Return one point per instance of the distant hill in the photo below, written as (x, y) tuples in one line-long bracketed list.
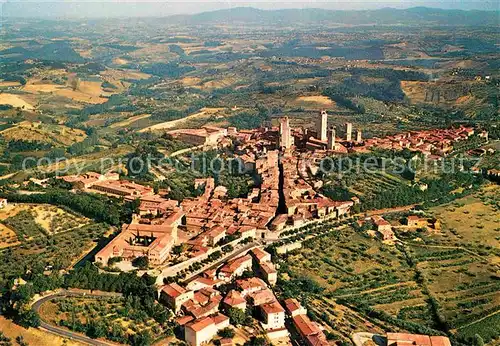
[(55, 51), (387, 16)]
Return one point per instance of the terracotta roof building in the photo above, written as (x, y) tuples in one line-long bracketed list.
[(201, 331), (294, 308), (235, 268), (399, 339), (151, 240), (250, 285), (235, 300), (174, 296), (274, 316), (309, 330)]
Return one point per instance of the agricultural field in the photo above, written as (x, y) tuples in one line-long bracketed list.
[(33, 336), (16, 101), (105, 158), (365, 184), (117, 319), (54, 252), (400, 283), (57, 135), (8, 237), (32, 221), (353, 266), (314, 101), (340, 320), (204, 113), (464, 284), (472, 220)]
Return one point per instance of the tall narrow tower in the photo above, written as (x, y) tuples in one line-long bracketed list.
[(331, 138), (321, 125), (348, 131), (285, 138), (358, 136)]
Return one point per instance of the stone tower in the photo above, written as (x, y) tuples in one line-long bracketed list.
[(348, 131), (321, 125), (331, 138), (284, 135)]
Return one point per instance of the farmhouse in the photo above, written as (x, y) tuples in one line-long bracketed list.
[(415, 221)]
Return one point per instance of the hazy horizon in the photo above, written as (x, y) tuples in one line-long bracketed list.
[(138, 8)]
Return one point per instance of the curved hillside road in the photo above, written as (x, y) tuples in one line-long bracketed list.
[(65, 333)]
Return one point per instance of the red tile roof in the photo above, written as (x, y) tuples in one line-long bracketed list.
[(251, 283), (305, 326), (292, 305), (272, 308), (234, 298), (440, 341), (173, 290), (200, 324)]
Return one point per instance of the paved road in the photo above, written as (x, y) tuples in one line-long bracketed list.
[(62, 332)]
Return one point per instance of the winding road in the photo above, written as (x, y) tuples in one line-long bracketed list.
[(65, 333)]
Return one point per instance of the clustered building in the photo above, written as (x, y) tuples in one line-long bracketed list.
[(436, 142), (109, 184), (384, 229), (433, 143), (200, 305), (207, 136), (144, 238), (285, 196)]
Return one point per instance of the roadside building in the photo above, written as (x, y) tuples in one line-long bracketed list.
[(294, 308), (235, 268), (397, 339), (173, 296), (201, 331), (273, 315), (309, 331)]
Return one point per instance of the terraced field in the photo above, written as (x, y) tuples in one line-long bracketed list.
[(423, 286), (358, 269), (337, 263), (465, 285), (341, 320), (367, 184)]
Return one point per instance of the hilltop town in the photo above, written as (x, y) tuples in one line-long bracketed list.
[(248, 177), (206, 253)]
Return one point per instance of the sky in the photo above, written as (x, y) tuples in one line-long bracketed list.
[(134, 8)]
